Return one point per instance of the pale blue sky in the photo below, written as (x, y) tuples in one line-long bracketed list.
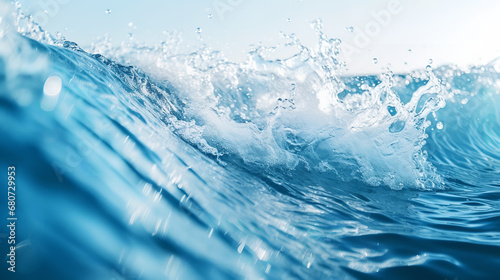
[(447, 31)]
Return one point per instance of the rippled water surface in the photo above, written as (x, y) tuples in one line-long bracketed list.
[(143, 162)]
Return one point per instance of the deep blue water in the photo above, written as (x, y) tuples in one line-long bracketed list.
[(143, 163)]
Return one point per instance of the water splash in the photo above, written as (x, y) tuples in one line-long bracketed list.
[(202, 166), (247, 112)]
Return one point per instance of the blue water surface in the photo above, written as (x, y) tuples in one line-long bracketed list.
[(141, 163)]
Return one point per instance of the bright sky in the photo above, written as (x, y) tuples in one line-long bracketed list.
[(446, 31)]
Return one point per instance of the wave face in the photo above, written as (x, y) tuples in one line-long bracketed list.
[(147, 163)]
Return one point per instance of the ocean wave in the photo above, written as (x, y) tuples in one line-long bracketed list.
[(268, 168)]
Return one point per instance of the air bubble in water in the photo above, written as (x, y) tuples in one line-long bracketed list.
[(439, 125), (52, 86)]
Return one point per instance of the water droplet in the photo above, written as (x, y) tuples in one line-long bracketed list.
[(392, 110), (397, 126), (198, 30), (350, 29), (52, 85), (375, 60), (317, 25), (130, 24), (289, 20), (409, 50), (428, 68), (430, 61), (439, 125), (464, 101), (108, 11), (51, 90), (210, 16)]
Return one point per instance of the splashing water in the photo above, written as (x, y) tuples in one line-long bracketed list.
[(189, 166), (248, 113)]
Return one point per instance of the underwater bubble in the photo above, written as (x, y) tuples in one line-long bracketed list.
[(464, 101), (439, 125), (51, 89), (108, 11), (52, 86)]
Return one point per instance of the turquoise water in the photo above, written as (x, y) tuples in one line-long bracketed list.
[(143, 162)]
